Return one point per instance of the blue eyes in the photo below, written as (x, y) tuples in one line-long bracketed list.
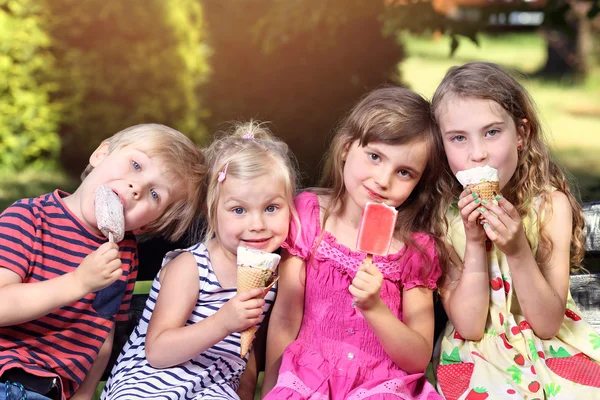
[(138, 168), (241, 210), (462, 138)]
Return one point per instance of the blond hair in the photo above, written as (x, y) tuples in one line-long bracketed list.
[(394, 116), (183, 165), (249, 150), (537, 173)]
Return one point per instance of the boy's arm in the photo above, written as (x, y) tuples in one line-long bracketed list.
[(25, 302), (87, 389)]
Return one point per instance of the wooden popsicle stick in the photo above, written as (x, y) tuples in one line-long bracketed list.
[(111, 237)]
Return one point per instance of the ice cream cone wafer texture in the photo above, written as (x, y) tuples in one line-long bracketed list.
[(255, 270), (109, 214), (481, 180)]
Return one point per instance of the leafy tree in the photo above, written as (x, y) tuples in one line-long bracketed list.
[(125, 62), (28, 119)]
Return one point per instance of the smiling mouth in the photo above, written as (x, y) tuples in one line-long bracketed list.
[(258, 241), (374, 195)]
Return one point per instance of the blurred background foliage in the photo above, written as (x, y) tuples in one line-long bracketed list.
[(73, 72)]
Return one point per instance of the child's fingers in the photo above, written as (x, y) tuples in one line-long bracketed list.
[(361, 280), (475, 215), (462, 203), (253, 304), (107, 247), (116, 274), (249, 294), (490, 232), (369, 269), (464, 193), (508, 207)]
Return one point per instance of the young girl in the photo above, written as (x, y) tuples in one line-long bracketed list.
[(351, 329), (187, 344), (514, 330)]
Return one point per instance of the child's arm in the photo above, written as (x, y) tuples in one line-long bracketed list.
[(169, 340), (90, 383), (541, 290), (248, 379), (410, 343), (25, 302), (465, 292), (286, 315), (256, 362)]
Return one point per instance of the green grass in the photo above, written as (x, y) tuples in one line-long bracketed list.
[(570, 113)]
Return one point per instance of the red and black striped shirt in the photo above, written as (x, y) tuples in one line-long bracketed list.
[(41, 239)]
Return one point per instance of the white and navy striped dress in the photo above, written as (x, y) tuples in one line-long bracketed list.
[(213, 374)]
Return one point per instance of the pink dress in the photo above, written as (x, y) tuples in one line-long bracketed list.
[(336, 354)]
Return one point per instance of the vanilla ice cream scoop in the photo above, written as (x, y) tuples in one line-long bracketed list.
[(477, 175), (109, 214), (481, 180)]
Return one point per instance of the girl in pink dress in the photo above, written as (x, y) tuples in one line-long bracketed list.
[(342, 328)]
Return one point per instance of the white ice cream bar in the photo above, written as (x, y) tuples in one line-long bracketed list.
[(109, 214), (477, 175), (255, 258)]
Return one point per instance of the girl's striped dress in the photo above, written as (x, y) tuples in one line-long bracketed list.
[(213, 374)]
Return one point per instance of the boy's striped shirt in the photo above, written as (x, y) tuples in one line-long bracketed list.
[(40, 239)]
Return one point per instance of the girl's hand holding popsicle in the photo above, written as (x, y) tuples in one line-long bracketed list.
[(366, 286)]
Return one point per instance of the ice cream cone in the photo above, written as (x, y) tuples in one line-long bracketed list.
[(250, 278), (486, 190)]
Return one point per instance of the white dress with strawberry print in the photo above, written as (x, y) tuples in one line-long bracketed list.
[(510, 362)]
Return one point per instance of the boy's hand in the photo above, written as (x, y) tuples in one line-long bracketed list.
[(100, 268), (242, 311), (469, 205), (366, 286)]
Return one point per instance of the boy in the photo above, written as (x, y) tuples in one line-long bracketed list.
[(62, 285)]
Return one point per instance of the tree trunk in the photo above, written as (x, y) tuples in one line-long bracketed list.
[(568, 40)]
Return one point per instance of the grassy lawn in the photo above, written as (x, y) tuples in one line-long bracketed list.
[(570, 113)]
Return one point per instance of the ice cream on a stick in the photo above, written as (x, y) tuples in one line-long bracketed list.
[(109, 214), (376, 229), (481, 180), (255, 269)]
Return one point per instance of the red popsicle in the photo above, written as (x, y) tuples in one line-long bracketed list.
[(376, 229)]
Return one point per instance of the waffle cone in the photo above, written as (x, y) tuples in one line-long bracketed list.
[(251, 278), (486, 190)]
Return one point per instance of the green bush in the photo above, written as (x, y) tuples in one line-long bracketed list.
[(121, 63), (28, 119)]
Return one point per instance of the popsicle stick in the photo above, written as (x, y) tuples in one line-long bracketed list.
[(111, 238), (369, 258)]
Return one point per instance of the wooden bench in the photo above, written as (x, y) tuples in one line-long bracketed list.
[(585, 288)]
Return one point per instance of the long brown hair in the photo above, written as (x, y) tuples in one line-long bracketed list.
[(393, 116), (536, 171)]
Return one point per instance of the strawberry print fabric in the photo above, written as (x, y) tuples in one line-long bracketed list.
[(510, 362)]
